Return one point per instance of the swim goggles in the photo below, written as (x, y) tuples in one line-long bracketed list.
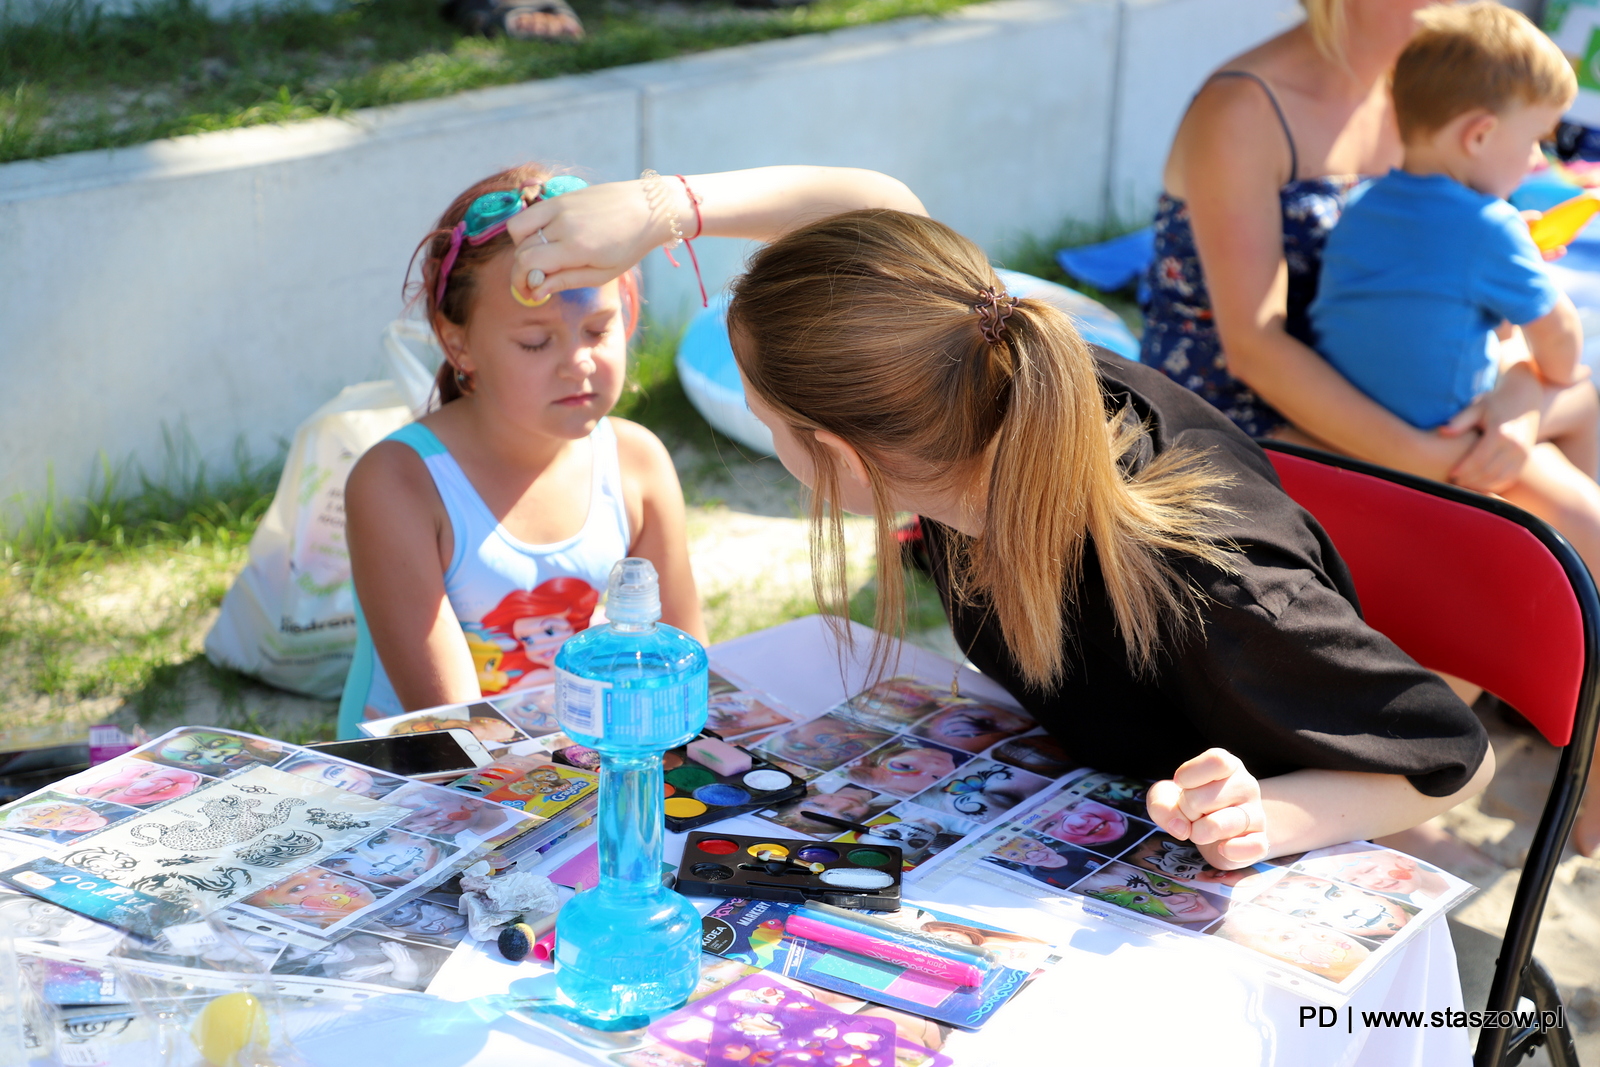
[(486, 219)]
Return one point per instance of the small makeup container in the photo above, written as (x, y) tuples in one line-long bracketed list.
[(773, 868)]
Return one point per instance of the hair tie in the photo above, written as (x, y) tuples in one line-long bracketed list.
[(994, 307)]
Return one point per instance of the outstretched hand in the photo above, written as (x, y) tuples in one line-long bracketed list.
[(1214, 802)]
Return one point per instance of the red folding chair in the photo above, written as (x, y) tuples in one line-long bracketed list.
[(1471, 586)]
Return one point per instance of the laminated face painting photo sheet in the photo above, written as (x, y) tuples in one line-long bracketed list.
[(279, 840), (497, 730), (905, 763), (1319, 923)]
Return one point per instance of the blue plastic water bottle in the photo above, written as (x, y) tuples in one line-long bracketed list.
[(628, 949)]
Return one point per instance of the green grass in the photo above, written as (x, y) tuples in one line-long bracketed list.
[(80, 79), (99, 599)]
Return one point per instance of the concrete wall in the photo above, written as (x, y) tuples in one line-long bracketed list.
[(227, 284)]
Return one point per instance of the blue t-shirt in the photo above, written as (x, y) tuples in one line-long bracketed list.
[(1415, 277)]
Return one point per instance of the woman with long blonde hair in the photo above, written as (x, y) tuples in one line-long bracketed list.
[(1108, 547)]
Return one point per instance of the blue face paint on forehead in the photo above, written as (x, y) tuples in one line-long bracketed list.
[(584, 298)]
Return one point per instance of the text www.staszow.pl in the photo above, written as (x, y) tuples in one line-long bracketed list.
[(1448, 1018)]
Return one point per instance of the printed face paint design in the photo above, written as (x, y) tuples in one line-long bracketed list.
[(139, 783), (1029, 852), (388, 858), (1151, 894), (904, 768), (1038, 753), (1124, 794), (824, 743), (213, 753), (972, 727), (316, 896), (485, 728), (339, 776), (1087, 823), (895, 703), (421, 918), (1340, 907), (1382, 871), (56, 818), (738, 713), (981, 791), (1311, 948), (439, 815), (1050, 862)]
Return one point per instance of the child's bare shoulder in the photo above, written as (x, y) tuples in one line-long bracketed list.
[(390, 472), (644, 459)]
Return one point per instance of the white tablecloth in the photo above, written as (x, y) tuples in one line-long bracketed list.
[(1114, 998)]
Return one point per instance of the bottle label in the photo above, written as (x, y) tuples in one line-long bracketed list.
[(581, 704)]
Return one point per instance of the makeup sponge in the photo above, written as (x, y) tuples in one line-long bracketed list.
[(719, 756)]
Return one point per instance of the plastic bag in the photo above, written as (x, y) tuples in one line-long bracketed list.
[(290, 617)]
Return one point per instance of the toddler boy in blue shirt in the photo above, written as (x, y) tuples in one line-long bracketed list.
[(1429, 262)]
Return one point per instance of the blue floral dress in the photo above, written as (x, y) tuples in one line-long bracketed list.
[(1180, 335)]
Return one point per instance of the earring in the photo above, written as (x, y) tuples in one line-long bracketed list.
[(463, 380)]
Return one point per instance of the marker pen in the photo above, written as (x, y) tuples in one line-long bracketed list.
[(872, 924), (878, 947)]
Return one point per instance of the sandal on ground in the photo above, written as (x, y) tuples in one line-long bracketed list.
[(521, 20)]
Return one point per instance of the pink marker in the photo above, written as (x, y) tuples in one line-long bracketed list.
[(545, 947), (863, 944)]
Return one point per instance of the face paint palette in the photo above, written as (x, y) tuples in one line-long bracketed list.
[(698, 795), (847, 876)]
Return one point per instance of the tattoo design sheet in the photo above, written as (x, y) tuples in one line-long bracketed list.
[(278, 840), (1321, 922)]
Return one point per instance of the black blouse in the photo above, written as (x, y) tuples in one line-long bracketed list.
[(1283, 673)]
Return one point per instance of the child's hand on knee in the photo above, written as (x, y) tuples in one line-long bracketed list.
[(1214, 802)]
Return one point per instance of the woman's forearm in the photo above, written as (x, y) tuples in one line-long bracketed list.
[(766, 202), (1314, 808), (1315, 397)]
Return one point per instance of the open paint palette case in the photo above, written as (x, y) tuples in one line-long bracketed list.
[(764, 868), (698, 794)]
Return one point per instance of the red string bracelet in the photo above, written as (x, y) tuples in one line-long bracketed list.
[(699, 227)]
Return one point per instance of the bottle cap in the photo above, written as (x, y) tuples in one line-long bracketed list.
[(634, 593)]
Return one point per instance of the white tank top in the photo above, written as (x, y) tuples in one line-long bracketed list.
[(516, 602)]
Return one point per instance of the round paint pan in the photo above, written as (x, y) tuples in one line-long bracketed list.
[(817, 854), (683, 807), (718, 846), (766, 780), (868, 857), (711, 872), (720, 795)]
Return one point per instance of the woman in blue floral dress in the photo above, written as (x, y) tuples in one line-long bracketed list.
[(1259, 172)]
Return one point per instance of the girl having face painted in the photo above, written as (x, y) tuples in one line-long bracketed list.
[(481, 535)]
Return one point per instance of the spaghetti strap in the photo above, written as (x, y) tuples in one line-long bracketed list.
[(1294, 155)]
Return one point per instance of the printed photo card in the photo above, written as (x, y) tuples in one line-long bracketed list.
[(273, 838), (905, 763), (1320, 921)]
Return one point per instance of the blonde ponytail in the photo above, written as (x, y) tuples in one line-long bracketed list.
[(863, 325)]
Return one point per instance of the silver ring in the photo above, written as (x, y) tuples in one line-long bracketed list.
[(535, 278), (542, 238)]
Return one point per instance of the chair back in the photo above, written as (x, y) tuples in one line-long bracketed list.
[(1457, 580)]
